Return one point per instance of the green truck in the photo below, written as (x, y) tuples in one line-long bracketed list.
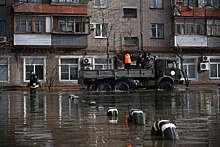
[(163, 73)]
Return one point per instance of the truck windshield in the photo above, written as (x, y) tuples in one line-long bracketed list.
[(171, 64)]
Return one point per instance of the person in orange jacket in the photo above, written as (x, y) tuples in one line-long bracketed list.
[(127, 61)]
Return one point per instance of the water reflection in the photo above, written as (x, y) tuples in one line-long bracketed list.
[(54, 119)]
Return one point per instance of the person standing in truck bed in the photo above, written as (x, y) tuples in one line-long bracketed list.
[(127, 61)]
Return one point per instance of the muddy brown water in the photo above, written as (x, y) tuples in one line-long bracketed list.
[(52, 119)]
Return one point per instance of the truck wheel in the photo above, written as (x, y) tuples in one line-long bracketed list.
[(104, 87), (122, 86), (166, 85)]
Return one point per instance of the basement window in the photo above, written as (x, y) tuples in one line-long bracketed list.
[(131, 41)]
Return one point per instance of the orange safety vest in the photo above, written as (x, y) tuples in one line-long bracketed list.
[(127, 58)]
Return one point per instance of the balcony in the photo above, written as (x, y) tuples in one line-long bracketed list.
[(37, 8)]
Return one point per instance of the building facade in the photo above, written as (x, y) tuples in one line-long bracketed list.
[(48, 38), (58, 38), (197, 38)]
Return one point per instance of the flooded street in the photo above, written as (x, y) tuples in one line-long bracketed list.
[(50, 119)]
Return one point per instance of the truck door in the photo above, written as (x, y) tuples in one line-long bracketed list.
[(160, 66)]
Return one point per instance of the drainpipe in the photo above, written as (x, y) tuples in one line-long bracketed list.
[(141, 25)]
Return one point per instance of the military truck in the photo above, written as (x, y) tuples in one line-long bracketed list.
[(163, 74)]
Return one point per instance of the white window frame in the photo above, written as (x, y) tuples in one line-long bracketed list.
[(217, 63), (103, 4), (187, 64), (78, 66), (157, 29), (101, 32), (8, 65), (104, 65), (44, 67), (156, 4)]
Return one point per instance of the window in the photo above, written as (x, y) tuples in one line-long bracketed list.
[(2, 28), (213, 3), (101, 63), (190, 68), (2, 2), (4, 69), (214, 72), (31, 1), (36, 65), (69, 69), (130, 12), (28, 24), (100, 3), (213, 27), (156, 3), (190, 26), (192, 3), (71, 24), (101, 30), (157, 30), (131, 41)]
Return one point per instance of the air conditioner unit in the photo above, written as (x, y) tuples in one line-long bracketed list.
[(92, 26), (205, 59), (204, 66), (87, 61), (3, 39)]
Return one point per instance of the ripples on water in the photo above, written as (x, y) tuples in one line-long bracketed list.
[(53, 119)]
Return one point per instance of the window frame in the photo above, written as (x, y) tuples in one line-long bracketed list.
[(188, 64), (218, 66), (131, 38), (104, 65), (31, 1), (157, 37), (3, 22), (101, 36), (69, 68), (26, 21), (156, 4), (3, 3), (102, 5), (8, 69), (127, 15), (44, 67), (194, 25), (77, 22)]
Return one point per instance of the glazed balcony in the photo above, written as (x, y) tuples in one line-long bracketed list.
[(196, 8)]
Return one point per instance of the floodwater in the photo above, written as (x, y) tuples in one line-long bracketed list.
[(52, 119)]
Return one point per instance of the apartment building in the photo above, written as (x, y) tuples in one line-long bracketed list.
[(49, 37), (197, 38), (128, 25)]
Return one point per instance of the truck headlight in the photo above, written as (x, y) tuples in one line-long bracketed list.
[(172, 73)]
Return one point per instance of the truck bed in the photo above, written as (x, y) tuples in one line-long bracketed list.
[(118, 73)]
